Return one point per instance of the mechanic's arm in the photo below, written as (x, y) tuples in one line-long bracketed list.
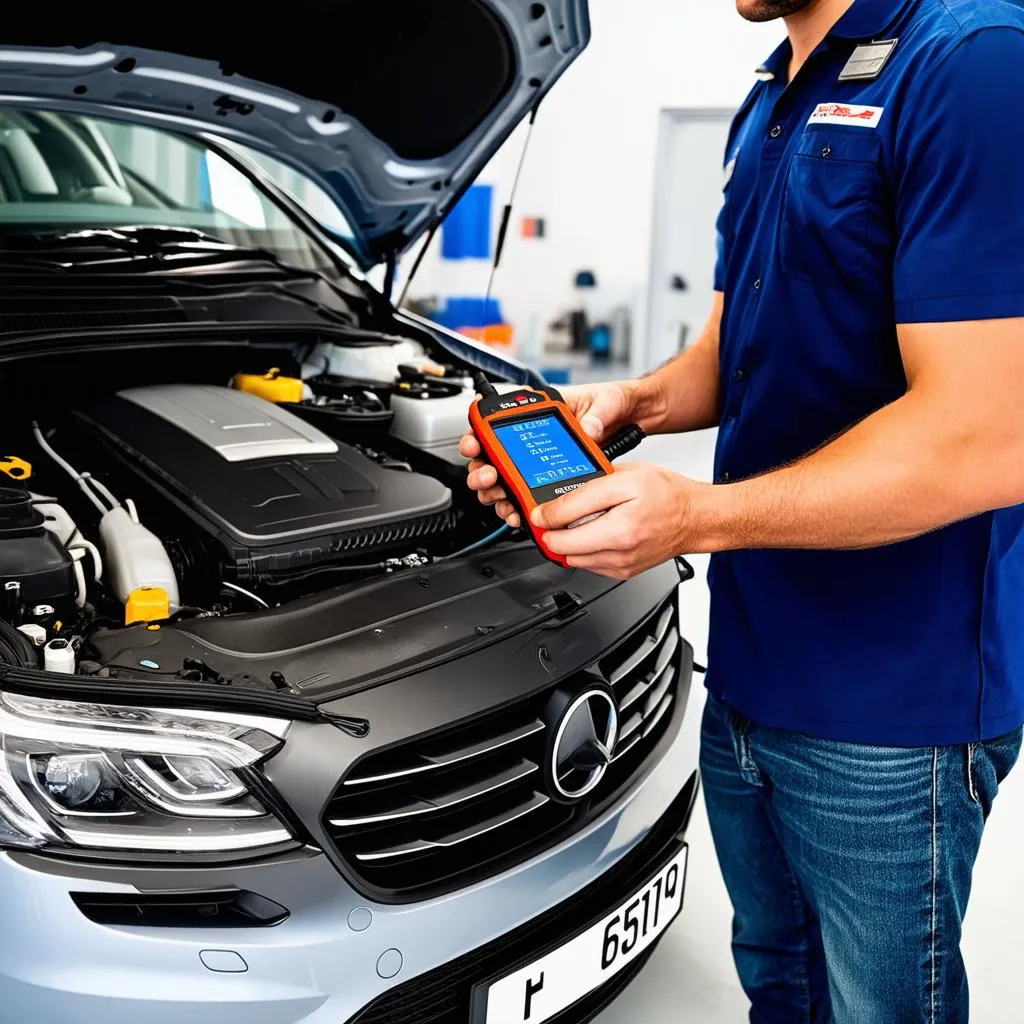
[(951, 448), (685, 393)]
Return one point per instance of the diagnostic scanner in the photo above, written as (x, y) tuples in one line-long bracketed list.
[(538, 448)]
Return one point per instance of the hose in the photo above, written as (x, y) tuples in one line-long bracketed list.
[(479, 545), (84, 481), (77, 554), (245, 593), (15, 648)]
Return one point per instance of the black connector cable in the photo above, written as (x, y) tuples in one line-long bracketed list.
[(484, 388), (625, 441)]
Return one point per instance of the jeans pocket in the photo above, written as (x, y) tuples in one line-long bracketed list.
[(988, 764), (972, 789)]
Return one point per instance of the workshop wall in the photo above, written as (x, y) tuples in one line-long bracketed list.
[(591, 167)]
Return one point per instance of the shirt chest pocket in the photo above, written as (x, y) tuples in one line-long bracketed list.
[(832, 228)]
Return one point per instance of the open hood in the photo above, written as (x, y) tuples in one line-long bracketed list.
[(392, 106)]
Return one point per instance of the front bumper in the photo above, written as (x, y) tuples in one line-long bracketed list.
[(57, 967), (340, 955)]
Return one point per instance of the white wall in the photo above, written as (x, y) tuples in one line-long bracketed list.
[(591, 167)]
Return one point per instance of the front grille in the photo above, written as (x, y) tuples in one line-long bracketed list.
[(440, 812), (443, 996)]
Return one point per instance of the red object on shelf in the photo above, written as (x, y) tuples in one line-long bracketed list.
[(533, 227), (499, 335)]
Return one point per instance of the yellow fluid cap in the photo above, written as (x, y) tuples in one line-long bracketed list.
[(15, 468), (146, 604), (270, 386)]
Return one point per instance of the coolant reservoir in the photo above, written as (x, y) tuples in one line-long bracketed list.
[(436, 425), (136, 558), (271, 386)]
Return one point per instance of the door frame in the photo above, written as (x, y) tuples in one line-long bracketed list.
[(668, 118)]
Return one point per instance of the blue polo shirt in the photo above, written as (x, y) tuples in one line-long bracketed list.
[(852, 207)]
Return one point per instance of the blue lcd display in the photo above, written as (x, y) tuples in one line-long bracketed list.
[(544, 451)]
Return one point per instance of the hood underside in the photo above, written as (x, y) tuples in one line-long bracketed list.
[(392, 106)]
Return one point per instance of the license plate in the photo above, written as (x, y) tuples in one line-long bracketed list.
[(552, 983)]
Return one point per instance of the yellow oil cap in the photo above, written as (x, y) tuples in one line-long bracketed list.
[(15, 468), (146, 604), (270, 386)]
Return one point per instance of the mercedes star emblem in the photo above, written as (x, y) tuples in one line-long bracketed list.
[(583, 730)]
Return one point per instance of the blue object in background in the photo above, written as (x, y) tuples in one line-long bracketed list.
[(600, 341), (470, 312), (466, 234), (560, 376)]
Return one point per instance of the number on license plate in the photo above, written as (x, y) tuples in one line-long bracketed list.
[(566, 975)]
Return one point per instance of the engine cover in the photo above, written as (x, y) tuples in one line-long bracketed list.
[(275, 493)]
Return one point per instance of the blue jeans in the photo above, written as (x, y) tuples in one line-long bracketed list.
[(849, 869)]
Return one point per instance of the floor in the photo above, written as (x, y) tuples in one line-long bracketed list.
[(691, 979)]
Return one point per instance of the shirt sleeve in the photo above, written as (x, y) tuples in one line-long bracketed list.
[(721, 228), (959, 179)]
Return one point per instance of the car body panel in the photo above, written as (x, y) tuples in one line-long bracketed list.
[(313, 968)]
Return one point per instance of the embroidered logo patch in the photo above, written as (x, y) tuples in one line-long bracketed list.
[(842, 113)]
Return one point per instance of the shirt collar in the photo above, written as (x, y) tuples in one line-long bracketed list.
[(868, 19), (777, 64)]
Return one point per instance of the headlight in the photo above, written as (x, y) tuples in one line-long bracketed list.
[(104, 777)]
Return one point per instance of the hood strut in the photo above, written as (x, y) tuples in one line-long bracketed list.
[(390, 268)]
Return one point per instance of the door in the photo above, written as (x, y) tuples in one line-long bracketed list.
[(688, 197)]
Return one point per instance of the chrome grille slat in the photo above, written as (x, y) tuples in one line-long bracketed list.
[(630, 726), (650, 644), (659, 689), (624, 748), (665, 655), (444, 801), (433, 762), (537, 801), (659, 714)]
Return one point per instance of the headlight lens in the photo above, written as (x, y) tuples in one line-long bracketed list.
[(106, 777)]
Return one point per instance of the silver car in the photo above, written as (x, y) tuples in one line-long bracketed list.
[(289, 730)]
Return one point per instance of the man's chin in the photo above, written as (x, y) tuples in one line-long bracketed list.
[(770, 10)]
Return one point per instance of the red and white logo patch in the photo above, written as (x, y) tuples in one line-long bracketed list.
[(844, 113)]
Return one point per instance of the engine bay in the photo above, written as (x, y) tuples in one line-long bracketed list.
[(272, 497), (146, 505)]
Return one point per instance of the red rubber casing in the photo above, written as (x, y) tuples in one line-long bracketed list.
[(491, 412)]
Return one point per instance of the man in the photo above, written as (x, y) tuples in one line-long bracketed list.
[(865, 366)]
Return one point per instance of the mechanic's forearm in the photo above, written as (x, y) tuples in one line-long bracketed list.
[(684, 394), (910, 468)]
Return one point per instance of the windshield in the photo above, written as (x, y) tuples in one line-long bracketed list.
[(63, 173)]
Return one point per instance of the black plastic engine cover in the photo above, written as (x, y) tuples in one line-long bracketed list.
[(211, 452)]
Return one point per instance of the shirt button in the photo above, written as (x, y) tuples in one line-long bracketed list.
[(776, 131), (739, 376), (757, 285)]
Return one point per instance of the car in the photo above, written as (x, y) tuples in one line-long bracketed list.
[(290, 729)]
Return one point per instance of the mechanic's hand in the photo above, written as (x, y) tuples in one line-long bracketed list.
[(602, 409), (650, 517)]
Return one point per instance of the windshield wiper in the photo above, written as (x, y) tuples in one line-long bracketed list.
[(164, 245), (171, 255)]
